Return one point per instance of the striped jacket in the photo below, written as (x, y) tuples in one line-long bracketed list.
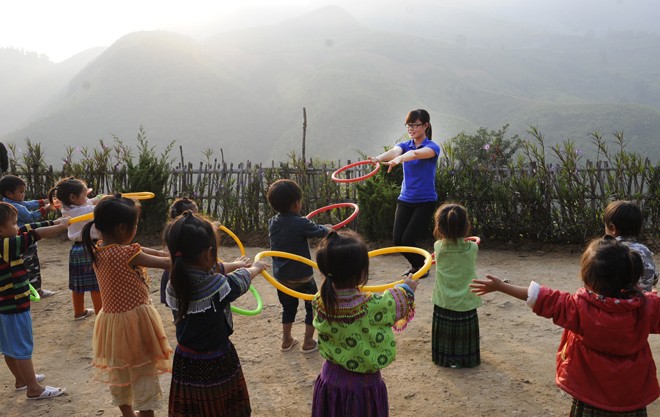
[(14, 288)]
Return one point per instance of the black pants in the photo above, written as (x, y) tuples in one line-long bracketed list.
[(290, 304), (412, 222)]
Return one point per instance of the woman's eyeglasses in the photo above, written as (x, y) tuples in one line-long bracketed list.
[(413, 126)]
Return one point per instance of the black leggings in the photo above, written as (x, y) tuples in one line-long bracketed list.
[(412, 222)]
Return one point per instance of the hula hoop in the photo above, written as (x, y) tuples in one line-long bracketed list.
[(34, 294), (274, 282), (260, 305), (373, 288), (341, 224), (335, 174), (233, 236), (397, 249), (475, 239), (145, 195)]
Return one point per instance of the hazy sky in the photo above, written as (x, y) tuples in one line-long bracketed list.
[(60, 29)]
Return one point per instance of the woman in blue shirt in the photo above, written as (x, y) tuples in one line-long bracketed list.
[(418, 198)]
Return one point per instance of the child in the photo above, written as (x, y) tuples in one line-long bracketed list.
[(455, 331), (72, 193), (288, 232), (207, 379), (177, 208), (623, 220), (604, 360), (130, 345), (355, 330), (16, 342), (12, 189)]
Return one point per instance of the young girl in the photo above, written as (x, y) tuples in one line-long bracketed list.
[(207, 379), (72, 194), (177, 208), (604, 360), (129, 343), (455, 331), (355, 330)]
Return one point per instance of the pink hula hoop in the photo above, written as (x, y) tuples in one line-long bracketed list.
[(343, 223), (353, 165)]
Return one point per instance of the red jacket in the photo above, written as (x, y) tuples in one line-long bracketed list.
[(604, 358)]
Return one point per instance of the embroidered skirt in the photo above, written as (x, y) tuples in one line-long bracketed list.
[(580, 409), (339, 392), (455, 338), (207, 384), (81, 272)]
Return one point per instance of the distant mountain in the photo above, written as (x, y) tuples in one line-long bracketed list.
[(243, 91)]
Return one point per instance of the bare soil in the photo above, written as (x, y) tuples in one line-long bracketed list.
[(516, 376)]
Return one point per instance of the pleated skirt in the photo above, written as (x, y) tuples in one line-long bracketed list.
[(339, 392), (208, 384), (455, 338), (580, 409), (81, 272)]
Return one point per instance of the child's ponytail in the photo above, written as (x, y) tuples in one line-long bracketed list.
[(328, 294), (88, 243)]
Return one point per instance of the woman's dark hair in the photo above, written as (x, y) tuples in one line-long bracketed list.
[(7, 213), (64, 188), (625, 216), (109, 214), (611, 269), (424, 117), (451, 222), (282, 194), (9, 184), (180, 205), (343, 259), (187, 237)]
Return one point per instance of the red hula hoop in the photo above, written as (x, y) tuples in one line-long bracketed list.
[(475, 239), (341, 224), (353, 165)]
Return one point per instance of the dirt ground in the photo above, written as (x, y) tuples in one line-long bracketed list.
[(516, 376)]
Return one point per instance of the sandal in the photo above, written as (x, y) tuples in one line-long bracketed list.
[(49, 392), (293, 343), (314, 349), (88, 312), (39, 378)]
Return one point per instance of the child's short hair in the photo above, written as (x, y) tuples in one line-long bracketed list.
[(7, 213), (625, 216), (180, 205), (64, 188), (610, 268), (9, 184), (282, 194), (451, 222)]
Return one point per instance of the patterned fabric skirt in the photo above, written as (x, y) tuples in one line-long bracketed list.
[(339, 392), (580, 409), (207, 384), (455, 338), (81, 273)]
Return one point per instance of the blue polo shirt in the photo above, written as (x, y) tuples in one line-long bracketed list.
[(419, 175)]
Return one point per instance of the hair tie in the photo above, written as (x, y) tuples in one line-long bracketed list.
[(178, 254)]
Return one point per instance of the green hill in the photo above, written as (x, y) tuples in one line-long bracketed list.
[(244, 91)]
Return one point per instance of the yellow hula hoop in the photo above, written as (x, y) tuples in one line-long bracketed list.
[(144, 195), (253, 290), (428, 259), (233, 236), (372, 288), (274, 282)]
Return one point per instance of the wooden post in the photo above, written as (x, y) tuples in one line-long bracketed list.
[(304, 133)]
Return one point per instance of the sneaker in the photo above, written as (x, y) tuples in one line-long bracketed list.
[(46, 293)]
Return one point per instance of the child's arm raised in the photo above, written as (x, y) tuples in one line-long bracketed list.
[(493, 283), (156, 252), (59, 226), (151, 261), (240, 262)]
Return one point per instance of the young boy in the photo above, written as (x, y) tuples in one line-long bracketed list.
[(623, 220), (16, 342), (288, 232), (12, 190)]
